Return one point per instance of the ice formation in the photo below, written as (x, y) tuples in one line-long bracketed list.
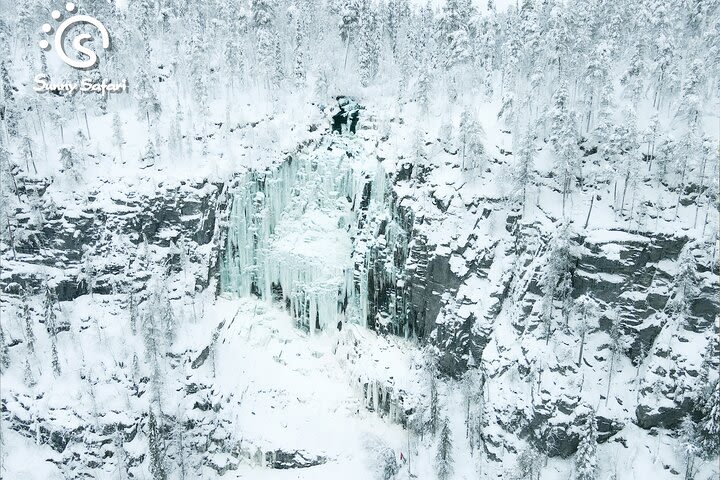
[(290, 236)]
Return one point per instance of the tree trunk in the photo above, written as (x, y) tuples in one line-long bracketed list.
[(700, 190), (87, 125), (587, 219)]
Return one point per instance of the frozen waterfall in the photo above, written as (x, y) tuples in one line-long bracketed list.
[(291, 233)]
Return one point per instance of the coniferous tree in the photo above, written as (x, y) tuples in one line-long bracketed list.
[(555, 281), (299, 66), (147, 102), (616, 345), (443, 458), (149, 154), (156, 448), (369, 44), (587, 312), (4, 352), (563, 141), (524, 177), (263, 18), (471, 147), (586, 456), (52, 328), (709, 431), (27, 316), (686, 284), (118, 138), (689, 446), (70, 161), (529, 464)]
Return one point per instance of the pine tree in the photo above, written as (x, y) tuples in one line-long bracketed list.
[(529, 463), (434, 412), (523, 175), (133, 312), (555, 281), (563, 140), (155, 448), (118, 138), (586, 456), (423, 88), (8, 101), (686, 284), (689, 446), (709, 431), (28, 377), (4, 352), (616, 345), (443, 458), (149, 154), (691, 100), (147, 101), (455, 31), (263, 18), (349, 12), (299, 67), (587, 312), (369, 44), (27, 316), (70, 161), (471, 147), (52, 328)]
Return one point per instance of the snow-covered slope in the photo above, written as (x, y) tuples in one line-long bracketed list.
[(509, 271)]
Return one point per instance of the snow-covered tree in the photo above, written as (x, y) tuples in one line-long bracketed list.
[(156, 448), (563, 140), (529, 464), (444, 464), (149, 154), (369, 44), (523, 175), (4, 352), (586, 313), (586, 456), (617, 344), (118, 138), (51, 326), (472, 150), (263, 18), (147, 101), (709, 431), (685, 283), (71, 161), (689, 448), (556, 274), (28, 318)]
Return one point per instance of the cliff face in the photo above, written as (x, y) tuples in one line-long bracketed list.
[(349, 240)]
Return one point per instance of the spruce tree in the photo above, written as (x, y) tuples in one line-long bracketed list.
[(443, 458), (523, 175), (147, 102), (27, 316), (369, 44), (563, 141), (587, 312), (709, 431), (118, 139), (686, 284), (586, 456), (4, 352), (155, 448), (472, 149)]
